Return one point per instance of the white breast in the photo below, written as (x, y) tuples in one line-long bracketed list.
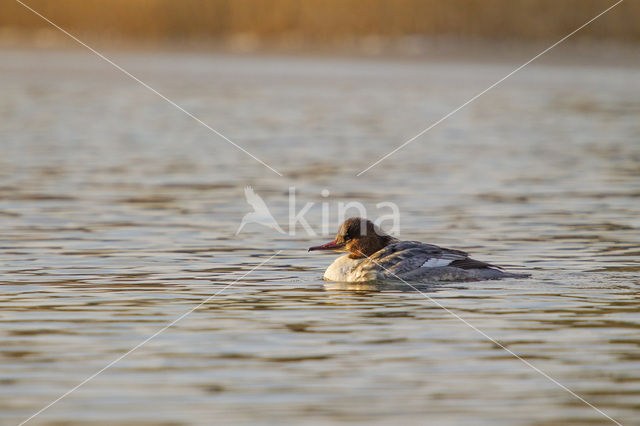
[(343, 269), (434, 262)]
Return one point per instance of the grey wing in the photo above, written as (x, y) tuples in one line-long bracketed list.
[(406, 256)]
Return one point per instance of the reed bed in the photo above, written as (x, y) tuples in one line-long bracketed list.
[(321, 21)]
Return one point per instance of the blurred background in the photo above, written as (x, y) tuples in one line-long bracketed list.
[(368, 25)]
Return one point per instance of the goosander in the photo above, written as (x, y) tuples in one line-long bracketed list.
[(374, 255)]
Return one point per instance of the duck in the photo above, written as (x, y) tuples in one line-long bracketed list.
[(374, 255)]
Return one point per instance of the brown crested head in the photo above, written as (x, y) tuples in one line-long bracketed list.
[(358, 236)]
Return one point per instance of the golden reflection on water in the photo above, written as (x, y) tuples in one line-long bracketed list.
[(118, 215)]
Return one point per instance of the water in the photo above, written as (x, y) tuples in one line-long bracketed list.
[(119, 214)]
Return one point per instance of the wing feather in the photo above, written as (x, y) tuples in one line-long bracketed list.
[(406, 256)]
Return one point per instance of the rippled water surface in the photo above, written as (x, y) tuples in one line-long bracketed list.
[(119, 214)]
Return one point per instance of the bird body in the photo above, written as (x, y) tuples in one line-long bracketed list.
[(373, 255)]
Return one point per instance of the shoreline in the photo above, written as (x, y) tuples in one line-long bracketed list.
[(439, 49)]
